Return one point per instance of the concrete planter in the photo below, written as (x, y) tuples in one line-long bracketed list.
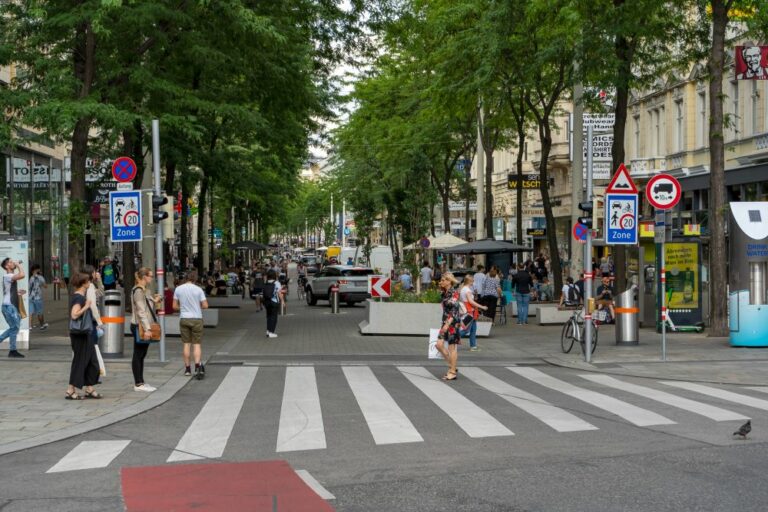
[(407, 318)]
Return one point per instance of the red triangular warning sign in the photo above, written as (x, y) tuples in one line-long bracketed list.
[(621, 183)]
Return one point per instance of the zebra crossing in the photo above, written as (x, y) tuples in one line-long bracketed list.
[(510, 392)]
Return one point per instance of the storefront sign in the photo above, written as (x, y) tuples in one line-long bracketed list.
[(460, 206), (692, 229), (530, 181), (536, 232), (646, 229)]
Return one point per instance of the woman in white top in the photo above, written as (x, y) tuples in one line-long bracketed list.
[(467, 297)]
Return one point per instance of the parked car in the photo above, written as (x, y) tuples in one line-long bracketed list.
[(352, 281)]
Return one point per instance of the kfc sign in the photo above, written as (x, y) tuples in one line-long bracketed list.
[(751, 62)]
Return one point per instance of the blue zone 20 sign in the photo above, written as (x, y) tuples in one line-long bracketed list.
[(125, 216), (621, 219)]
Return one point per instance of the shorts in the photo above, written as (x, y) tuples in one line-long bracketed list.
[(35, 306), (191, 330)]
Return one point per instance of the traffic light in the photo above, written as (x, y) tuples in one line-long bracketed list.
[(587, 207), (170, 216), (158, 213)]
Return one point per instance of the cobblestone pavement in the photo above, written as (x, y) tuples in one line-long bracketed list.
[(33, 410)]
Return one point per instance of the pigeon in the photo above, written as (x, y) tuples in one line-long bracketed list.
[(744, 429)]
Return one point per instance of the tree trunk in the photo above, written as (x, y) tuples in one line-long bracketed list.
[(546, 146), (624, 51), (201, 234), (488, 190), (717, 211), (519, 188)]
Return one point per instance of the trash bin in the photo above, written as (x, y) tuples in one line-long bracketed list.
[(111, 344), (627, 321)]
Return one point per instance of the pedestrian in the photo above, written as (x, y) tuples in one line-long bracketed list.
[(425, 276), (95, 293), (471, 311), (143, 311), (405, 280), (189, 299), (109, 273), (523, 282), (36, 286), (570, 296), (273, 300), (257, 286), (13, 274), (491, 292), (451, 321), (479, 277), (84, 369)]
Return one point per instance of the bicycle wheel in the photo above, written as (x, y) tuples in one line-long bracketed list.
[(594, 339), (566, 337)]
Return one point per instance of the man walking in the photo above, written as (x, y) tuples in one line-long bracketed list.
[(425, 276), (36, 285), (13, 274), (189, 299)]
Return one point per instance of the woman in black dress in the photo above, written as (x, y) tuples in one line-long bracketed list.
[(84, 371)]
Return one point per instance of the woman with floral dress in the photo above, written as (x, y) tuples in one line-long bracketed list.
[(449, 338)]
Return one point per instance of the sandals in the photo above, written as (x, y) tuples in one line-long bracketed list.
[(72, 396), (94, 395), (450, 376)]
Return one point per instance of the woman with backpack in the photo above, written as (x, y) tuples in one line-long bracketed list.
[(273, 300)]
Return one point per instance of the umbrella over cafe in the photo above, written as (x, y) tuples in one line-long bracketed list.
[(487, 246)]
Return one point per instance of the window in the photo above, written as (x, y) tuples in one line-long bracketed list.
[(754, 216), (750, 192), (525, 152), (679, 120), (637, 136), (662, 132), (703, 121)]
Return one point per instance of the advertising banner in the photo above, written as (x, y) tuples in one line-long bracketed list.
[(18, 250), (683, 265), (751, 62)]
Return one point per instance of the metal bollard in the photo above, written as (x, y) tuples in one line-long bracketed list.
[(334, 299), (111, 344)]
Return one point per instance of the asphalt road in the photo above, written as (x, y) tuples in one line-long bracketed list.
[(512, 460)]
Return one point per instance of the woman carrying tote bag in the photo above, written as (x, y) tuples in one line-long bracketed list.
[(142, 319), (84, 371)]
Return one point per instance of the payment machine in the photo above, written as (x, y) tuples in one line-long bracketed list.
[(748, 275)]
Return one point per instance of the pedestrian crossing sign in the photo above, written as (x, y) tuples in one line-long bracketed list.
[(125, 216)]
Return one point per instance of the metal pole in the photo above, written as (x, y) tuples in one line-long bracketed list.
[(343, 223), (577, 167), (663, 305), (160, 267), (588, 260), (31, 218), (480, 178)]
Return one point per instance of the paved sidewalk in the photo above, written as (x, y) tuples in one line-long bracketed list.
[(33, 410)]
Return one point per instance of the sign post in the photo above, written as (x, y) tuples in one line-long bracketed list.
[(588, 259), (663, 192), (160, 271)]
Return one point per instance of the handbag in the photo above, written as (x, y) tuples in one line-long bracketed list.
[(432, 352), (82, 324), (154, 326), (22, 309)]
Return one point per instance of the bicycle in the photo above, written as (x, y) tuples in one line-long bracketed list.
[(573, 330)]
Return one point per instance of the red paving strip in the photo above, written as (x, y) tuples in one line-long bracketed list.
[(266, 486)]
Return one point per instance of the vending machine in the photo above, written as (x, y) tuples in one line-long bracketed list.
[(748, 274)]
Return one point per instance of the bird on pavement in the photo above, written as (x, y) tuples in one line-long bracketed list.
[(744, 429)]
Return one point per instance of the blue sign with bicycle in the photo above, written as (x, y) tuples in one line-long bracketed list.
[(621, 219), (125, 216)]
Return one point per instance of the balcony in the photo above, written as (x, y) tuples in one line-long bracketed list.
[(647, 167)]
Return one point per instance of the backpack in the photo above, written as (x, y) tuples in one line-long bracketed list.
[(572, 297), (268, 292), (108, 274)]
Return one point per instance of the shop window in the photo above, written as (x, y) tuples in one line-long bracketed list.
[(734, 193), (750, 192), (763, 191)]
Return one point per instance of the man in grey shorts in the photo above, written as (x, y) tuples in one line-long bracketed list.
[(189, 299)]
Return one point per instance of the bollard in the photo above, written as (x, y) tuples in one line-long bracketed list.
[(626, 318), (334, 299), (111, 344)]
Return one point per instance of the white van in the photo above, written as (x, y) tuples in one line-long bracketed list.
[(381, 260), (346, 253)]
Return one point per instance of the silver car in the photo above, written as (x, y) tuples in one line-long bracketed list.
[(352, 282)]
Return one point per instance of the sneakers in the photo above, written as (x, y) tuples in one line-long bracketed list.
[(187, 371), (16, 354), (145, 388), (44, 326), (272, 335), (200, 372), (474, 349)]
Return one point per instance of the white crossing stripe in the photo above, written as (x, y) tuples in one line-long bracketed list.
[(762, 389), (728, 396), (387, 422), (315, 485), (209, 432), (633, 414), (90, 455), (709, 411), (301, 420), (476, 422), (555, 417)]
